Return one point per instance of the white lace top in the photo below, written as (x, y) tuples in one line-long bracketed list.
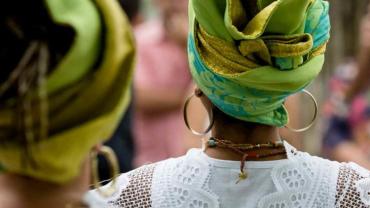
[(198, 181)]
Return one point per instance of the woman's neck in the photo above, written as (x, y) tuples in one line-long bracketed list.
[(21, 191), (242, 133)]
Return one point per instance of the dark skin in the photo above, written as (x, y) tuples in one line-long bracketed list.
[(239, 132), (18, 191)]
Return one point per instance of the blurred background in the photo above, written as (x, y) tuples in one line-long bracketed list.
[(162, 83)]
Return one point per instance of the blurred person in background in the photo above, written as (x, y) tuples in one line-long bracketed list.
[(347, 111), (122, 141), (66, 69), (347, 138), (162, 81), (362, 81)]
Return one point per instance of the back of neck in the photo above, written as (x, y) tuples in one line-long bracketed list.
[(239, 132), (242, 132), (20, 191)]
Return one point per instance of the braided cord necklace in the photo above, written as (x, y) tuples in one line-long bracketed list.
[(248, 151)]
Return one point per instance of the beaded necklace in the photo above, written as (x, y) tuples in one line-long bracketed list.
[(247, 151)]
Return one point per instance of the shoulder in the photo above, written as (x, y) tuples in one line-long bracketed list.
[(311, 181), (353, 186), (303, 181), (339, 184), (177, 182), (134, 188)]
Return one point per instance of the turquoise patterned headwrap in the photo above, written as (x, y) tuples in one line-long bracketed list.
[(249, 56)]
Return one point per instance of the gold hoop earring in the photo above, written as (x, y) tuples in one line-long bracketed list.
[(111, 158), (187, 121), (313, 119)]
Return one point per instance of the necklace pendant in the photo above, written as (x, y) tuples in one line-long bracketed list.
[(242, 176)]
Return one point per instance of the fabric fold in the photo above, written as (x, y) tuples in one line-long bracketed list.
[(273, 53), (81, 114)]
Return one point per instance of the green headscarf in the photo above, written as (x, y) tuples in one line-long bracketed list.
[(87, 92), (249, 56)]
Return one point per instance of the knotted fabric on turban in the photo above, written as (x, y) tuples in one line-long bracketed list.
[(249, 56), (87, 91)]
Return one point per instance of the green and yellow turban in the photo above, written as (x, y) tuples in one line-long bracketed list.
[(249, 56), (87, 93)]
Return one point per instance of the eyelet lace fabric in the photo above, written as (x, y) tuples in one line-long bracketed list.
[(353, 187), (317, 183), (137, 194), (180, 184), (303, 181)]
